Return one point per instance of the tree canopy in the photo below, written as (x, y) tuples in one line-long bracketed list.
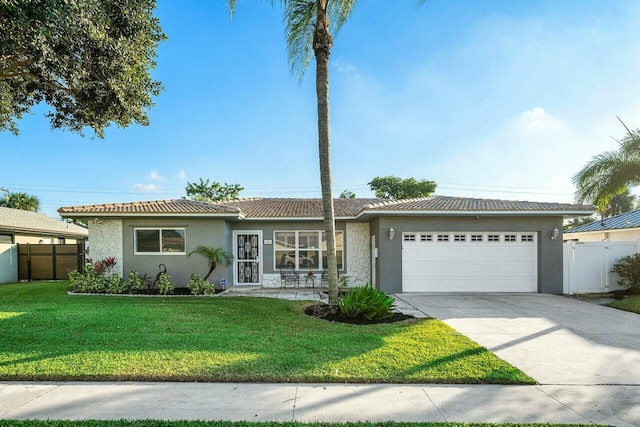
[(610, 173), (212, 191), (90, 61), (347, 194), (393, 187), (22, 201)]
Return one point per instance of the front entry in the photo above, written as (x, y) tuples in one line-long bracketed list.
[(247, 268)]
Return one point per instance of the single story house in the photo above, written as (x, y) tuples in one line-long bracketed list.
[(623, 227), (19, 226), (432, 244)]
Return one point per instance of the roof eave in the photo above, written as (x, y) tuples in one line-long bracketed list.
[(147, 215), (564, 213)]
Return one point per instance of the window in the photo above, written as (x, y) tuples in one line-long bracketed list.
[(304, 250), (443, 237), (426, 238), (61, 240), (493, 238), (153, 241), (459, 238), (6, 238), (526, 238), (476, 238), (409, 237), (510, 238)]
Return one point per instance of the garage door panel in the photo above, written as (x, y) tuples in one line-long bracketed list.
[(471, 266)]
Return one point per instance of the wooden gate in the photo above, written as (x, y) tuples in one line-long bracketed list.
[(49, 262)]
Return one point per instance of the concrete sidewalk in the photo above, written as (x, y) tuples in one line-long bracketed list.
[(612, 405)]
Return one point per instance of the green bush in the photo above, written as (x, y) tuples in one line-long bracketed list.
[(628, 268), (367, 302), (116, 284), (199, 286), (89, 280), (165, 287)]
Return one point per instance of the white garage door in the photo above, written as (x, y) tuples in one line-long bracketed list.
[(469, 262)]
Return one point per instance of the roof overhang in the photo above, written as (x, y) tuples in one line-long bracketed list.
[(24, 230), (373, 213)]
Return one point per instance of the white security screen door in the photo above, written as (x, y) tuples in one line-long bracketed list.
[(247, 258)]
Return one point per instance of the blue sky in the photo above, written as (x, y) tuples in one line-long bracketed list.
[(496, 99)]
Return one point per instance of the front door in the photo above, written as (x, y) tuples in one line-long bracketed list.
[(248, 254)]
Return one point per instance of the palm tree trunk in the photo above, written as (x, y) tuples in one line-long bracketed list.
[(322, 42)]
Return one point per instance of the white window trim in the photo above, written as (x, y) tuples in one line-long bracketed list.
[(297, 249), (135, 241)]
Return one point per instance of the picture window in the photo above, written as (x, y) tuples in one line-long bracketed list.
[(154, 241)]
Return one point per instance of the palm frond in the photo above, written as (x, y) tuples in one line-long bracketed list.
[(339, 11), (300, 18), (606, 175)]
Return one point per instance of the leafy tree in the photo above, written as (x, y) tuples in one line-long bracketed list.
[(393, 187), (22, 201), (347, 194), (610, 173), (88, 60), (620, 203), (578, 221), (214, 256), (207, 191)]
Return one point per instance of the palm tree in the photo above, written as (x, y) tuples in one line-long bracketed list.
[(22, 201), (215, 256), (611, 173), (308, 29)]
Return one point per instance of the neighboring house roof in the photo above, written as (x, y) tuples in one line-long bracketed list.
[(618, 222), (19, 221), (281, 208)]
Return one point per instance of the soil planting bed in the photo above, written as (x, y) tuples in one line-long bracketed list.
[(332, 314)]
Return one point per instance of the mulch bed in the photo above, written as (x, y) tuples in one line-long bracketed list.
[(331, 313)]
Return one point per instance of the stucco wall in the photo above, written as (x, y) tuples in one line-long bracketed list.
[(198, 231), (358, 253), (8, 263), (389, 269), (105, 240)]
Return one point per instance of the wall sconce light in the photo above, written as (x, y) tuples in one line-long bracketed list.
[(555, 233), (392, 233)]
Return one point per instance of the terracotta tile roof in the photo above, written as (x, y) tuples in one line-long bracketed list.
[(297, 208), (463, 204), (15, 220), (312, 208), (177, 206)]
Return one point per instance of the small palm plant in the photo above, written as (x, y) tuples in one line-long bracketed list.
[(215, 256)]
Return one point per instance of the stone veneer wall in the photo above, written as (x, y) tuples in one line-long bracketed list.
[(105, 240), (358, 253), (271, 281)]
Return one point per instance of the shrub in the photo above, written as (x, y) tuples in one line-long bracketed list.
[(116, 285), (88, 280), (628, 268), (165, 287), (199, 286), (138, 281), (367, 302)]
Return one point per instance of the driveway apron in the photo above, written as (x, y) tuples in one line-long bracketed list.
[(554, 339)]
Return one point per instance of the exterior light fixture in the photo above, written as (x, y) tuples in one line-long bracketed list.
[(392, 233), (555, 233)]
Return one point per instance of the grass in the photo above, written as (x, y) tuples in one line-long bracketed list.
[(157, 423), (46, 334), (630, 303)]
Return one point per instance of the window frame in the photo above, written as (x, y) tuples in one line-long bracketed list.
[(297, 249), (160, 230)]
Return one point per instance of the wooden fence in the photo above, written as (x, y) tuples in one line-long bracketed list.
[(49, 262)]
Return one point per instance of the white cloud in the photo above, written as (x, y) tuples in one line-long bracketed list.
[(182, 175), (148, 188), (156, 176)]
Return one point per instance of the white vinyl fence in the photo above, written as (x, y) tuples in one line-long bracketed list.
[(587, 266), (8, 263)]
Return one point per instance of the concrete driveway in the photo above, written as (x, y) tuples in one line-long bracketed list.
[(554, 339)]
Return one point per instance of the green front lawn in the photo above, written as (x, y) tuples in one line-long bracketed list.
[(630, 303), (46, 334), (158, 423)]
